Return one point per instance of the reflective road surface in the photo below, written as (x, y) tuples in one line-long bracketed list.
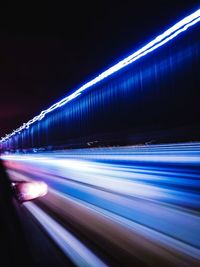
[(119, 206)]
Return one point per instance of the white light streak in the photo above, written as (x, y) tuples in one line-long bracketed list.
[(71, 246)]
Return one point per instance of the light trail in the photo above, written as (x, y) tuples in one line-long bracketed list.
[(157, 42), (73, 248), (136, 200)]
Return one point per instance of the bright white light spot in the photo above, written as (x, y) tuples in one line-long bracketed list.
[(31, 190)]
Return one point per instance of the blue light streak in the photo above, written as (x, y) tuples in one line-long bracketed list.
[(160, 40), (136, 197)]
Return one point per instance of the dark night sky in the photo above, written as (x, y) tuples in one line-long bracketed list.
[(48, 51)]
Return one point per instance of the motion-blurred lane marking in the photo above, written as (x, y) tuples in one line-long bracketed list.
[(73, 248)]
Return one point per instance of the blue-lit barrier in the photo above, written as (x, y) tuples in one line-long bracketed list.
[(154, 89)]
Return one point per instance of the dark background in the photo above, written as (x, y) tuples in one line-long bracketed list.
[(48, 51)]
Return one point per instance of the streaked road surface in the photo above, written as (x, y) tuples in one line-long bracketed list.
[(120, 206)]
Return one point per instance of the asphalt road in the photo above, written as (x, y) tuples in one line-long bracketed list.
[(122, 206)]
